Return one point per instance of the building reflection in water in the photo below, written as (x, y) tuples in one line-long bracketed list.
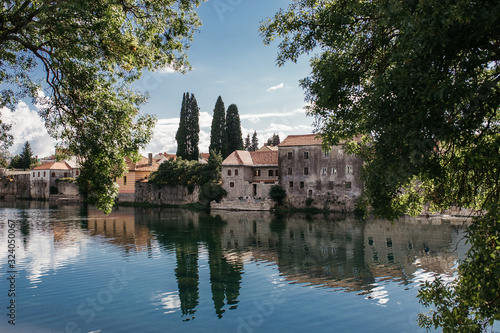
[(340, 253)]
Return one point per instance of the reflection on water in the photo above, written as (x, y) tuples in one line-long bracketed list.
[(329, 252)]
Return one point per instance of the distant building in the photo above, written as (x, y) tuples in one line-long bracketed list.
[(310, 175), (44, 176), (328, 178), (137, 172), (249, 174)]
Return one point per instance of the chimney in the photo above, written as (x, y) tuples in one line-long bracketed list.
[(150, 158)]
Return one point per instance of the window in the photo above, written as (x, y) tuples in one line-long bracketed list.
[(271, 173), (44, 173), (291, 184), (65, 174), (323, 172), (340, 153), (124, 180), (229, 172), (330, 185), (289, 171), (306, 155), (53, 174), (347, 185), (236, 172), (276, 173), (77, 172), (301, 184), (349, 169), (306, 171), (290, 155), (33, 174), (334, 171), (326, 153), (38, 173), (256, 173), (231, 184)]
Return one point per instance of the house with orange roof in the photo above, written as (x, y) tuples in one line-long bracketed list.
[(249, 175), (310, 175), (137, 172), (44, 176)]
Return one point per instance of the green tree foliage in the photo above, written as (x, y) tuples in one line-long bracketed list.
[(419, 82), (255, 142), (277, 193), (26, 160), (90, 53), (188, 134), (274, 140), (248, 143), (218, 135), (233, 129)]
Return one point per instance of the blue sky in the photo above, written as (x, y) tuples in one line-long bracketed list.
[(229, 59)]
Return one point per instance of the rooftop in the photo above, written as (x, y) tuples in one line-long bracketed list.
[(254, 158)]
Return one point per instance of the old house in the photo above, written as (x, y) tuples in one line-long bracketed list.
[(137, 172), (314, 176), (249, 175), (44, 176)]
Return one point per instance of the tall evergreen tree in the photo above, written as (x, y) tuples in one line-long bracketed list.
[(218, 136), (255, 142), (274, 140), (248, 143), (233, 129), (25, 159), (188, 133)]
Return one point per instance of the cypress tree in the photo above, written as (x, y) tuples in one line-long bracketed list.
[(218, 136), (248, 144), (187, 135), (233, 129), (255, 142)]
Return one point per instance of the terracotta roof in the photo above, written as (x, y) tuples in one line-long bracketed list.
[(53, 166), (264, 157), (268, 148), (243, 157), (301, 140), (141, 165)]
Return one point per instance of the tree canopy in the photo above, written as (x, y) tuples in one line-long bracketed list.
[(218, 135), (418, 81), (188, 133), (26, 159), (233, 129), (89, 53)]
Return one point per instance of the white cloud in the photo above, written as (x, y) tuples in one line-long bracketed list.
[(28, 126), (273, 88)]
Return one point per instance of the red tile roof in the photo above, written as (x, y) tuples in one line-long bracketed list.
[(53, 166), (301, 140), (254, 158)]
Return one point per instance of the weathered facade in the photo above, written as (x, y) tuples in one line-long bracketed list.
[(315, 177), (137, 172), (250, 175), (44, 177)]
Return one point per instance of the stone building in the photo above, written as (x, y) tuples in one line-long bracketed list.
[(316, 177), (249, 175), (44, 176)]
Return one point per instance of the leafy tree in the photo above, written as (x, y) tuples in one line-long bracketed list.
[(3, 162), (218, 135), (418, 81), (233, 129), (274, 140), (25, 160), (255, 142), (248, 143), (277, 193), (188, 134), (91, 52)]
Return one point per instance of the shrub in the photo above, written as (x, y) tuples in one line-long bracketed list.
[(277, 193)]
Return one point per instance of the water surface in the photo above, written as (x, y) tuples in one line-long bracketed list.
[(165, 270)]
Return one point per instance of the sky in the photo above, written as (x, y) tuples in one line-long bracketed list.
[(228, 59)]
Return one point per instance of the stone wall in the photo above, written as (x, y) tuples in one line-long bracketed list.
[(248, 204), (165, 194), (15, 186)]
